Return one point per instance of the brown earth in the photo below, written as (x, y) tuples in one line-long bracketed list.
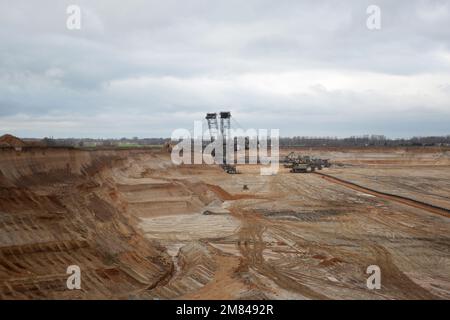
[(8, 140), (135, 225)]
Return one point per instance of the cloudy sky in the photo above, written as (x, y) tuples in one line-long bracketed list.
[(143, 68)]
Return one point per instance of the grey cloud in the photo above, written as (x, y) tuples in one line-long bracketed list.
[(175, 60)]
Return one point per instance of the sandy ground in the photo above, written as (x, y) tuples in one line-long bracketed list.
[(302, 237), (285, 236)]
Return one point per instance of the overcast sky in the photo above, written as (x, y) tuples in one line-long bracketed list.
[(143, 68)]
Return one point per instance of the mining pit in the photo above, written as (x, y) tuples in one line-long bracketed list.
[(140, 227)]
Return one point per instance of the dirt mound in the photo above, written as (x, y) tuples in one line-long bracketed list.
[(9, 140)]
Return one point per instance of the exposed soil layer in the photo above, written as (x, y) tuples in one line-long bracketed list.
[(140, 227), (8, 140), (410, 202), (60, 208)]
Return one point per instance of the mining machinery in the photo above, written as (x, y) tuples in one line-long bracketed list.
[(303, 164), (211, 118), (224, 132)]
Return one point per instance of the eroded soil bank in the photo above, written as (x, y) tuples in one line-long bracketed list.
[(142, 228)]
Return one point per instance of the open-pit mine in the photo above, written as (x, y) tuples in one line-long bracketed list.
[(140, 227)]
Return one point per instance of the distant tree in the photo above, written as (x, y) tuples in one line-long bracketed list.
[(49, 142)]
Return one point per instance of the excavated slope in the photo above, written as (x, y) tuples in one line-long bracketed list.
[(8, 140), (60, 207), (140, 227)]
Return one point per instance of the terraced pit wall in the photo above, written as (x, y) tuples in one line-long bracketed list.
[(60, 207)]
